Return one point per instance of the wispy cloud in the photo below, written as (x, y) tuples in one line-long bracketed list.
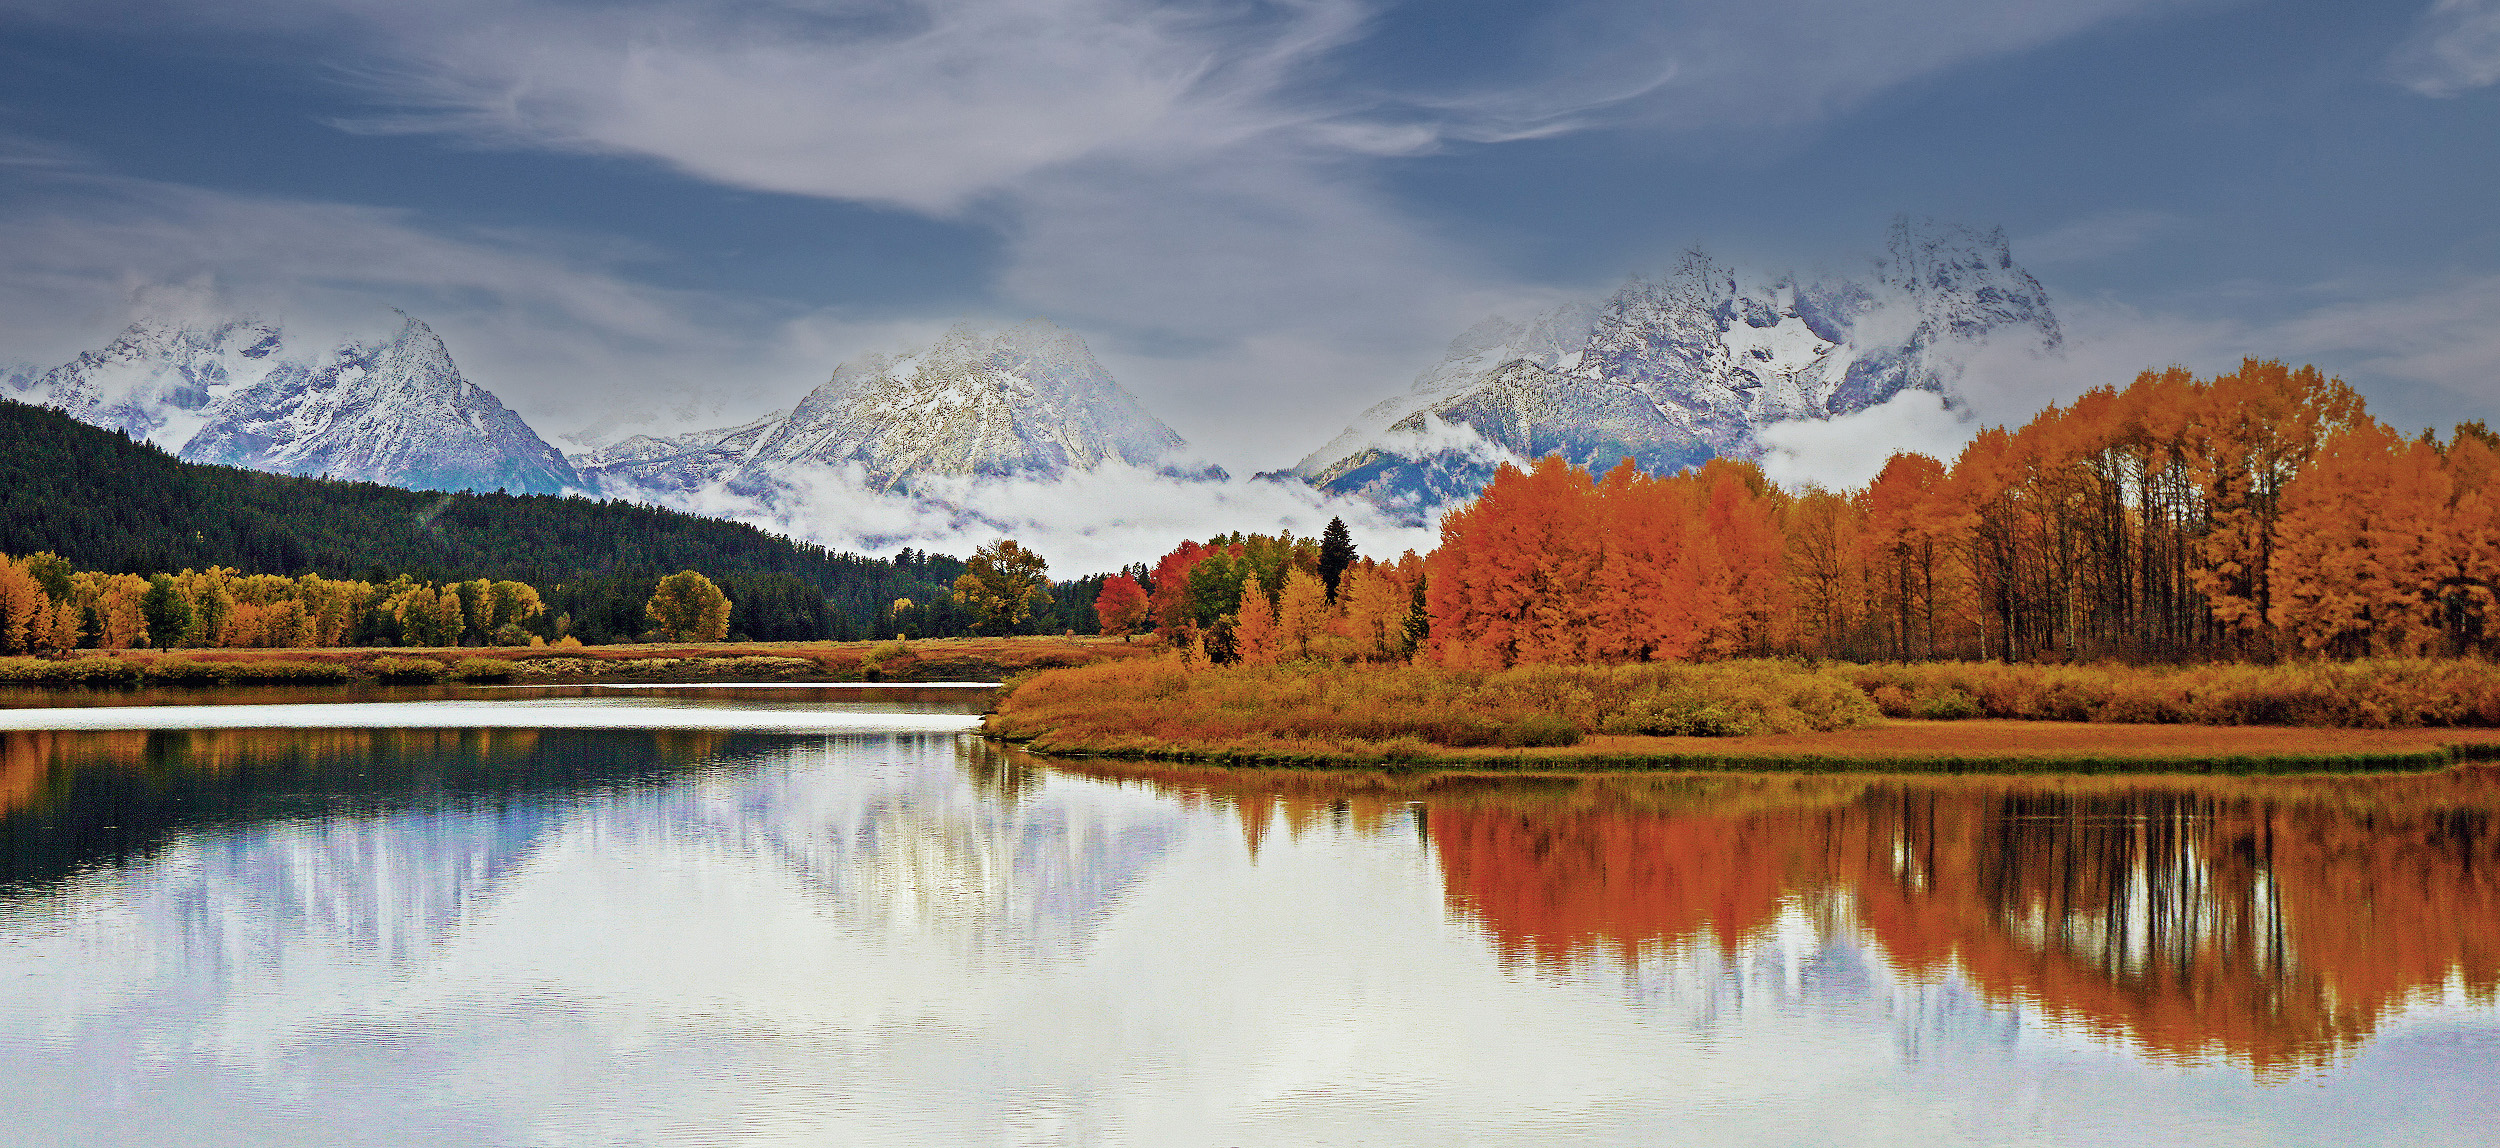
[(2454, 49), (1201, 174), (2093, 237), (1086, 522), (556, 330)]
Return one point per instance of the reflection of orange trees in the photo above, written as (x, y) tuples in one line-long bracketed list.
[(1552, 886), (2274, 922), (2163, 919), (27, 758)]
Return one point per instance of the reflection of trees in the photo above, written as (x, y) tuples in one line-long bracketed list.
[(2273, 924), (75, 800), (2272, 921)]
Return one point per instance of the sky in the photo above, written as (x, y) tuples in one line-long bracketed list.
[(1263, 216)]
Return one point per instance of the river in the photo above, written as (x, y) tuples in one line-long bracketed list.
[(468, 915)]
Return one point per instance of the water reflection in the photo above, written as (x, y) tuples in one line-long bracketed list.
[(541, 936), (2275, 922)]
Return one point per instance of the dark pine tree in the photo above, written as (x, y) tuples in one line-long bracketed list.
[(1336, 552)]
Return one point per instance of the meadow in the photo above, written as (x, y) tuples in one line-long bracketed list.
[(1740, 714)]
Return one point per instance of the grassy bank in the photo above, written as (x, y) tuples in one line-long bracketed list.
[(2377, 693), (1733, 716), (931, 660), (1158, 708)]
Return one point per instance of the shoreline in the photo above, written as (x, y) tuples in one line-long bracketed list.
[(914, 661), (1997, 746)]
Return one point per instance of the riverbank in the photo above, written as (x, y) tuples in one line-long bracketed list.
[(924, 660), (1723, 716)]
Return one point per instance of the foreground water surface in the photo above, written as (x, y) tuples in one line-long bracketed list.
[(851, 923)]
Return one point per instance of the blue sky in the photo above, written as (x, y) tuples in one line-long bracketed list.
[(1264, 216)]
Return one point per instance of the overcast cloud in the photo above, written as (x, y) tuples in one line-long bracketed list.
[(1264, 217)]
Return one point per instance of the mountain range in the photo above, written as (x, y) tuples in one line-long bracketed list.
[(1669, 372), (1025, 401), (391, 409), (1666, 372)]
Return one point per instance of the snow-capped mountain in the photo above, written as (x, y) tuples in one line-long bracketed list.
[(392, 410), (1029, 400), (1674, 371)]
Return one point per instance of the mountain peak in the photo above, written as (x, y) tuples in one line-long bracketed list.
[(393, 409), (1673, 370), (1023, 400)]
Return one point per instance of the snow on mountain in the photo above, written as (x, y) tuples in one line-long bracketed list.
[(1026, 401), (1674, 371), (393, 410)]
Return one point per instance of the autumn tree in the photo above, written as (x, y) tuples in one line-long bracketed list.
[(1301, 616), (687, 607), (24, 611), (1121, 607), (1254, 627), (2252, 432), (1002, 585), (121, 617)]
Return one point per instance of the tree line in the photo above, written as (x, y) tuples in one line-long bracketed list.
[(2258, 514), (105, 502), (48, 606)]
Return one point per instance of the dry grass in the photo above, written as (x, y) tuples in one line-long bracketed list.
[(2368, 694), (1375, 713), (940, 659), (1728, 716)]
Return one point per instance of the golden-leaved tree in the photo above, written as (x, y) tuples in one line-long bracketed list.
[(1002, 585), (687, 607)]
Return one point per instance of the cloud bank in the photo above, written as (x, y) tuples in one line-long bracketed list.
[(1086, 522)]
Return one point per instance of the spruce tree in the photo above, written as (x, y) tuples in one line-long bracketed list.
[(1336, 552)]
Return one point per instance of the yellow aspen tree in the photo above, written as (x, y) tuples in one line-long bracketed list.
[(1254, 628), (687, 607), (1376, 604), (67, 628), (22, 607), (1301, 615), (447, 616), (121, 620)]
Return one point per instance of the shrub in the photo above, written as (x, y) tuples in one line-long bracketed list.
[(1948, 704), (80, 672), (407, 669), (482, 670), (1539, 730), (1165, 707), (184, 672)]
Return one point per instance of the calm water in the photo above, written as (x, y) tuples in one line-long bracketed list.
[(845, 923)]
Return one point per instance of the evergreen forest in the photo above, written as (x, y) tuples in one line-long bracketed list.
[(105, 502)]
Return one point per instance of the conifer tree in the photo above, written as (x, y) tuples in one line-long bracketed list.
[(1336, 552)]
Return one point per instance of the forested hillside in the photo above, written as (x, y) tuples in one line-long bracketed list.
[(105, 502)]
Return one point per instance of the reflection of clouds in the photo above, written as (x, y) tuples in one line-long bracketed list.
[(916, 940), (927, 873)]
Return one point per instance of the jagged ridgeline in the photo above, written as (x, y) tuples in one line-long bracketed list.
[(1025, 401), (106, 502), (387, 405), (1672, 372)]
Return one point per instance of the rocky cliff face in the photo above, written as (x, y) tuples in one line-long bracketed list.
[(393, 409), (1673, 371), (1028, 400)]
